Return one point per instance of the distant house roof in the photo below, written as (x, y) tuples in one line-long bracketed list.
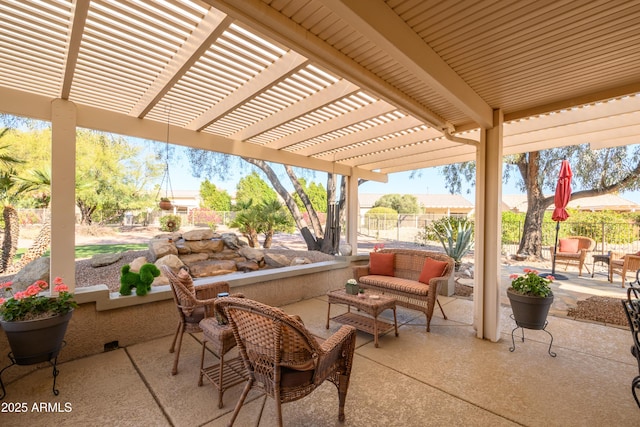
[(451, 201), (612, 202)]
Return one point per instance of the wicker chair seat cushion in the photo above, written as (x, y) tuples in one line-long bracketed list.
[(396, 284), (196, 315), (568, 255)]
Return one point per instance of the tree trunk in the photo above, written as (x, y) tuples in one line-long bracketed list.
[(11, 236), (309, 238), (40, 246), (268, 239), (313, 216)]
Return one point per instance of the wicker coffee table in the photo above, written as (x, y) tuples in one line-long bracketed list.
[(374, 307)]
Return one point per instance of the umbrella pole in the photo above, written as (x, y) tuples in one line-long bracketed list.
[(555, 249)]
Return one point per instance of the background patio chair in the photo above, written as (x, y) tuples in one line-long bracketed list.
[(623, 264), (632, 310), (282, 358), (573, 250), (194, 303)]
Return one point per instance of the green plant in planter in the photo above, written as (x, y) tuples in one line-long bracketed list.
[(531, 283), (456, 242)]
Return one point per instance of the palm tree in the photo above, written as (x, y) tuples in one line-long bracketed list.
[(273, 218), (9, 213)]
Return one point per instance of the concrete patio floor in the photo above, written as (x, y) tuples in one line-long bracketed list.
[(445, 377)]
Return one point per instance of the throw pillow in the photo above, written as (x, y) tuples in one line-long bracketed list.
[(186, 280), (569, 245), (381, 264), (430, 269)]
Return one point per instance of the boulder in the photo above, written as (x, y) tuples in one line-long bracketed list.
[(159, 248), (102, 260), (276, 260), (198, 234), (181, 247), (38, 269), (171, 261), (193, 258), (137, 263), (246, 266), (232, 241), (212, 245), (212, 268), (253, 254), (346, 249), (300, 260)]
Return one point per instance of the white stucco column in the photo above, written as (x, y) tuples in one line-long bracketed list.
[(352, 213), (488, 231), (63, 200)]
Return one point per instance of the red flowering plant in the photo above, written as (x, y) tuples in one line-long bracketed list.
[(31, 305), (378, 246), (531, 283)]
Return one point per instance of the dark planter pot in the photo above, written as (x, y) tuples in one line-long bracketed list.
[(165, 205), (529, 311), (35, 341)]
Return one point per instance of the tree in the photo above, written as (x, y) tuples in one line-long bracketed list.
[(7, 195), (252, 187), (401, 203), (208, 163), (273, 217), (595, 172), (317, 195), (213, 198), (110, 178)]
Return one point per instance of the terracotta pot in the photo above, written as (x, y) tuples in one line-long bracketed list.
[(165, 205), (35, 341), (529, 311)]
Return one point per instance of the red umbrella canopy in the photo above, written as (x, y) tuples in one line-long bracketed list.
[(563, 192)]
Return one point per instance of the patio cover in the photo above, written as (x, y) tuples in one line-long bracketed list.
[(360, 88)]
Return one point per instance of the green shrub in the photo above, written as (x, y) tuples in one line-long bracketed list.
[(457, 240), (170, 223)]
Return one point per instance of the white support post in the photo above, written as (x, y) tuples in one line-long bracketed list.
[(63, 170), (488, 231), (352, 213)]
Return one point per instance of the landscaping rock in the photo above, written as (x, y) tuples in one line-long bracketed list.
[(37, 269), (159, 248), (212, 268), (246, 266), (299, 260), (198, 234), (253, 254), (211, 245), (277, 260), (193, 258), (101, 260), (232, 241), (137, 263)]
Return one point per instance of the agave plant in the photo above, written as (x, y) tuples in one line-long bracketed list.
[(456, 242)]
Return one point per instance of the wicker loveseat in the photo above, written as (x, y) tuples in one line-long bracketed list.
[(404, 284), (573, 250)]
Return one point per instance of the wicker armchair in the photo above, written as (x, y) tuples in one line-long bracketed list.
[(623, 264), (577, 255), (632, 310), (194, 304), (282, 358)]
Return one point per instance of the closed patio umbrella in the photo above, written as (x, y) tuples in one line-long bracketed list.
[(560, 200)]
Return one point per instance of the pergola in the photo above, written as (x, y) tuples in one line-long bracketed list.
[(359, 88)]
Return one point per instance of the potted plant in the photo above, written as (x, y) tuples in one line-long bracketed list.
[(531, 297), (165, 204), (35, 324), (351, 287)]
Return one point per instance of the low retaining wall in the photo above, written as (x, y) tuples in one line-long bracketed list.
[(104, 319)]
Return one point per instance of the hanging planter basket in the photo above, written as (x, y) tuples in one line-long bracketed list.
[(165, 205)]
